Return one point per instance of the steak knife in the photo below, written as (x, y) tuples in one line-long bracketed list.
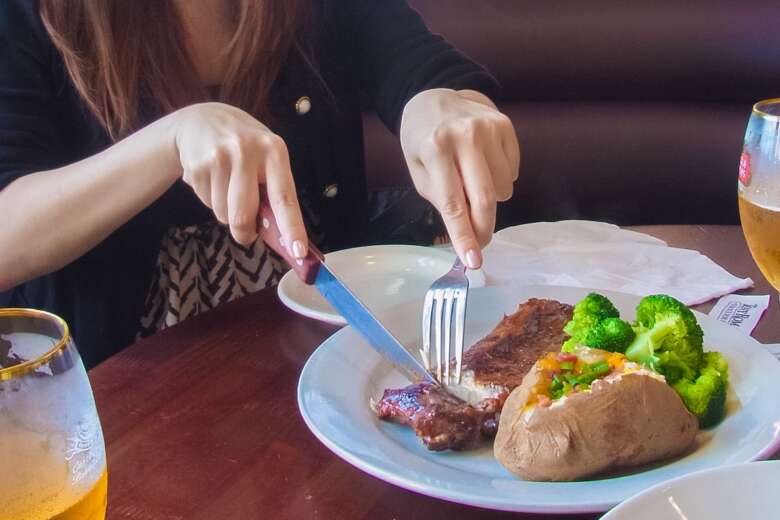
[(312, 270)]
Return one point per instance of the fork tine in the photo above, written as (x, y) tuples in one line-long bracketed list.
[(445, 296), (460, 323), (449, 294), (439, 300), (426, 329)]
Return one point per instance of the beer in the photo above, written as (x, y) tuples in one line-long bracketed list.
[(51, 444), (761, 226), (91, 506), (52, 475), (758, 188)]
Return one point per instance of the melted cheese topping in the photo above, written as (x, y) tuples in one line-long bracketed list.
[(562, 363)]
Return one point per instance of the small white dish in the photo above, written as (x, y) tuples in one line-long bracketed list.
[(740, 491), (344, 373), (380, 276)]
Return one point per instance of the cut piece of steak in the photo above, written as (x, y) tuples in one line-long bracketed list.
[(440, 419), (458, 418)]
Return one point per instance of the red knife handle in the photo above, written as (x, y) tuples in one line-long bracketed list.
[(268, 229)]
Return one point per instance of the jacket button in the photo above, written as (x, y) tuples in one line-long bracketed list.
[(331, 190), (303, 105)]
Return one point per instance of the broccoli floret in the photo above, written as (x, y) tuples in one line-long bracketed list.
[(587, 313), (673, 367), (668, 338), (665, 338), (596, 306), (612, 334), (705, 396)]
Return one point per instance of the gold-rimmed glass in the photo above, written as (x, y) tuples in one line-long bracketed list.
[(52, 455), (759, 188)]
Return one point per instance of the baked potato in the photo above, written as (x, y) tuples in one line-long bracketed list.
[(588, 412)]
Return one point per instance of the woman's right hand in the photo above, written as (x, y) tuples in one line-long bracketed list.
[(225, 155)]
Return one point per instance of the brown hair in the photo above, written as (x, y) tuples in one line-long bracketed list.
[(117, 52)]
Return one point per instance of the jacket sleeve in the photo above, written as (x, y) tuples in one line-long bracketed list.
[(399, 57), (30, 138)]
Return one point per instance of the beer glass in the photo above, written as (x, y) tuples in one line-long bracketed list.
[(52, 456), (759, 188)]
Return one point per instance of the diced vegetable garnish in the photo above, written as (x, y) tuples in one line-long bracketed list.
[(565, 372)]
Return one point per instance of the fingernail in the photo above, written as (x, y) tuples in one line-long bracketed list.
[(473, 259), (282, 241), (298, 250)]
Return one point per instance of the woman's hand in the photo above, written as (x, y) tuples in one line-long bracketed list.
[(225, 155), (463, 156)]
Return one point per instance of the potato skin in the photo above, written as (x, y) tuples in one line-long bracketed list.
[(628, 422)]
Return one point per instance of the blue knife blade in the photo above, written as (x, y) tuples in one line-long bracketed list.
[(359, 317)]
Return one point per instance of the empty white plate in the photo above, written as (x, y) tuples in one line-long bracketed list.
[(380, 276), (741, 491)]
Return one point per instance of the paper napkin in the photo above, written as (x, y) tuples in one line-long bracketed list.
[(604, 257)]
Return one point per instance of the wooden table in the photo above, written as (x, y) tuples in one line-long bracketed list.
[(201, 420)]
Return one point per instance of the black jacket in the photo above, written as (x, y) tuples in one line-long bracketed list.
[(379, 51)]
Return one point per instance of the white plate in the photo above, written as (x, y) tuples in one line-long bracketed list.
[(343, 373), (380, 276), (725, 493)]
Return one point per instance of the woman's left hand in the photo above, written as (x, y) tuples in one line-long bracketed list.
[(463, 156)]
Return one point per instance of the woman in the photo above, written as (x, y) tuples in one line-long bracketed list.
[(134, 137)]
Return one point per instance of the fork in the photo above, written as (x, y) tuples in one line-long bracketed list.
[(446, 294)]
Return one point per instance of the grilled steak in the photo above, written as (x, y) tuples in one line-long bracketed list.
[(492, 368), (439, 418), (499, 362)]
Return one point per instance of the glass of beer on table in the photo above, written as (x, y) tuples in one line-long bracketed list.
[(759, 188), (52, 456)]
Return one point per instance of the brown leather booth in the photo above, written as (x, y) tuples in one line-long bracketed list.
[(627, 111)]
